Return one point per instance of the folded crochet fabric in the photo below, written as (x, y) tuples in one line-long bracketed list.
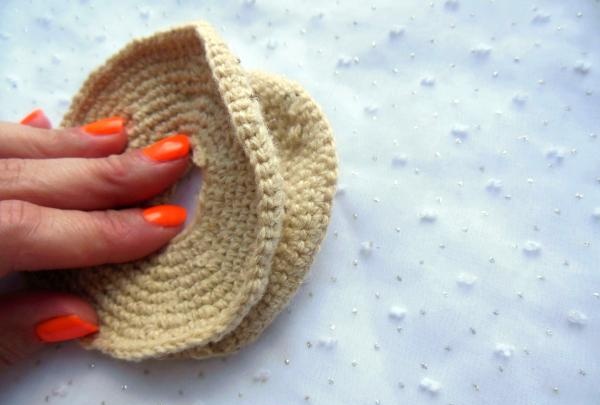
[(269, 170)]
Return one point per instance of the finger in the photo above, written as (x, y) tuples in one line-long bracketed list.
[(36, 119), (35, 238), (86, 184), (28, 320), (100, 138)]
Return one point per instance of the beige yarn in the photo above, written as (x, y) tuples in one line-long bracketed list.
[(261, 142)]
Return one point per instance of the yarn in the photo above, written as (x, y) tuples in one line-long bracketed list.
[(269, 171)]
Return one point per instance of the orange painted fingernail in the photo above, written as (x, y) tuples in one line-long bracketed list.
[(165, 215), (105, 126), (170, 148), (32, 116), (63, 328)]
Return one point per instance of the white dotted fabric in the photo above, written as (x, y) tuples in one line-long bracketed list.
[(462, 262)]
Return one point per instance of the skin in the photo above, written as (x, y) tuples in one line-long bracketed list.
[(59, 191)]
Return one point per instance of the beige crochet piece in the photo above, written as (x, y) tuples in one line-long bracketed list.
[(217, 285), (306, 150)]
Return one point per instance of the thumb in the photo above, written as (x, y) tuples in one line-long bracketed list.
[(28, 320)]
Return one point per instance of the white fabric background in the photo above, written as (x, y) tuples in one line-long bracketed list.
[(467, 136)]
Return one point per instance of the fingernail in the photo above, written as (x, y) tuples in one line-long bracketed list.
[(36, 114), (165, 215), (105, 126), (65, 327), (171, 148)]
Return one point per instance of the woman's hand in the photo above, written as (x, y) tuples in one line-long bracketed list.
[(57, 189)]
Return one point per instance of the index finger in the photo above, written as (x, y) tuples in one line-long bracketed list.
[(97, 139)]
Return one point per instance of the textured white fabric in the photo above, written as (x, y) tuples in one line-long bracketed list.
[(461, 265)]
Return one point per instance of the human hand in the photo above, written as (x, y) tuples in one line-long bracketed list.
[(57, 188)]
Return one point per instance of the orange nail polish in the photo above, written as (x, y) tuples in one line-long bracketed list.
[(165, 215), (105, 126), (35, 115), (65, 327), (171, 148)]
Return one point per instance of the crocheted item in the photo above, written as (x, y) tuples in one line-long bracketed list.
[(306, 150), (261, 143)]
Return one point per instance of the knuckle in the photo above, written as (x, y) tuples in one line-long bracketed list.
[(113, 228), (11, 171), (18, 221), (16, 217), (114, 171)]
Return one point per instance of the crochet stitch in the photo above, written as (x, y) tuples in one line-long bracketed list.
[(269, 171)]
